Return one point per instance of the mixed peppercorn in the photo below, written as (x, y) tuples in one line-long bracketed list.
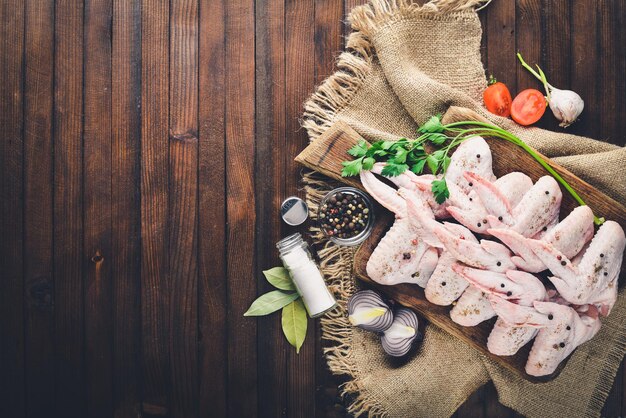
[(344, 215)]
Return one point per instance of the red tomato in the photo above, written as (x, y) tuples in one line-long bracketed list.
[(528, 107), (497, 99)]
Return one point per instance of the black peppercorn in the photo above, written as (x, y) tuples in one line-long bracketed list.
[(563, 263), (343, 215), (498, 264), (562, 345), (550, 317), (509, 293)]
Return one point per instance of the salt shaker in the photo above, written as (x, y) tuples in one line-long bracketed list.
[(295, 255)]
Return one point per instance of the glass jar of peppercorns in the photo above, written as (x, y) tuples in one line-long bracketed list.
[(346, 216)]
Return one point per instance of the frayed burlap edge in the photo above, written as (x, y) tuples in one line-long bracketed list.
[(370, 18), (353, 66), (320, 112), (336, 91), (336, 265)]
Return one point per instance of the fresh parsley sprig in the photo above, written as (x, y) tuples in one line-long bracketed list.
[(407, 154), (410, 154)]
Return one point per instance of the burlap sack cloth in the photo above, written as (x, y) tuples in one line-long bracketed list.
[(403, 64)]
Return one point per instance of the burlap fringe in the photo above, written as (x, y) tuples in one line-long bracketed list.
[(336, 264), (368, 19), (320, 112), (337, 90), (354, 65)]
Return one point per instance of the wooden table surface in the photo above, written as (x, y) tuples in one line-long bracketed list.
[(147, 147)]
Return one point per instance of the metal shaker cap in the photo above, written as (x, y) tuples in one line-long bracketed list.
[(294, 211)]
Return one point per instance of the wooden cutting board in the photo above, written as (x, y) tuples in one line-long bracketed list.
[(327, 152)]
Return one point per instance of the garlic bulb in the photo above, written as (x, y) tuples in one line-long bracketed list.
[(566, 105)]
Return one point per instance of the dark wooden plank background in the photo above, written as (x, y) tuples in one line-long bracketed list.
[(146, 148)]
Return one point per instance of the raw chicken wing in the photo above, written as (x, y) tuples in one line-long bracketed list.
[(561, 330), (594, 279)]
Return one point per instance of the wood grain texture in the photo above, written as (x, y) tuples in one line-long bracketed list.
[(585, 55), (212, 283), (529, 38), (68, 210), (125, 208), (38, 207), (97, 219), (155, 279), (95, 97), (299, 67), (271, 139), (183, 203), (12, 370), (329, 31), (502, 64), (328, 151), (240, 203)]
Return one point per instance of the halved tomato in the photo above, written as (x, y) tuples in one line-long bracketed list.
[(528, 107)]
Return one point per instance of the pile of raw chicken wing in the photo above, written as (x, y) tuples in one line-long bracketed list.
[(497, 275)]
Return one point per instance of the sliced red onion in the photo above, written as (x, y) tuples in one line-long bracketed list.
[(367, 310), (399, 337)]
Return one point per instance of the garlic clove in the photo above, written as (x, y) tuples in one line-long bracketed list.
[(367, 310), (566, 105), (398, 339)]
